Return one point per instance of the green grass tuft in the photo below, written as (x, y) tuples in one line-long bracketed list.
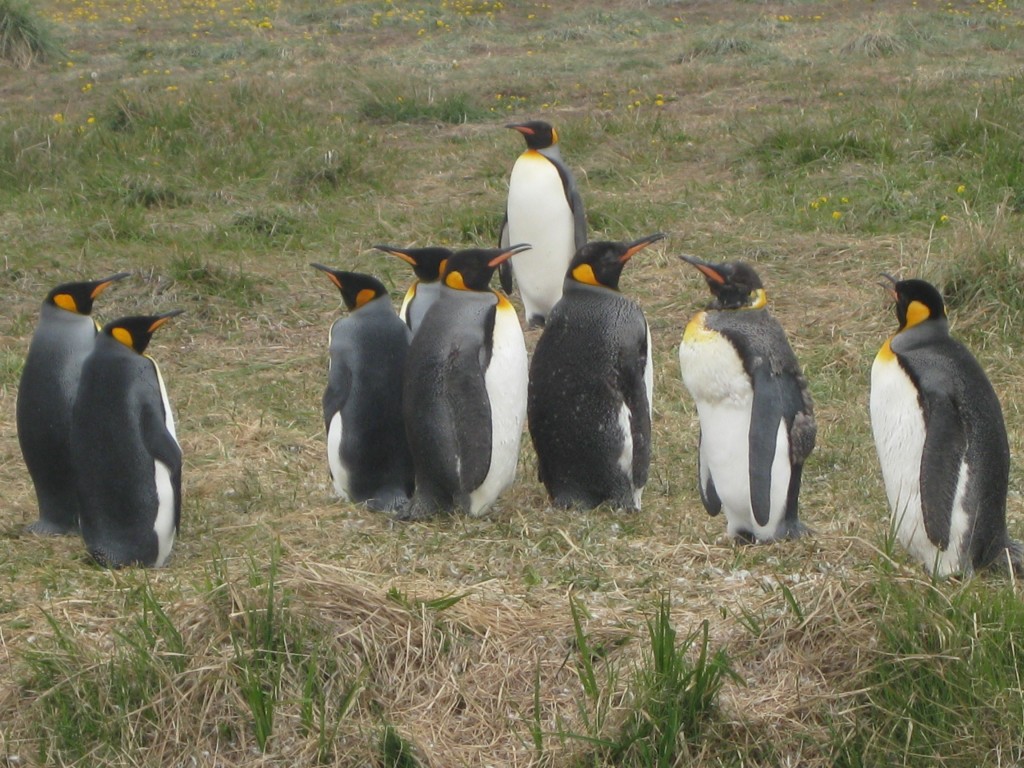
[(25, 37)]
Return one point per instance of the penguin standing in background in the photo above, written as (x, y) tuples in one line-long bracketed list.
[(464, 397), (756, 415), (427, 264), (941, 441), (591, 385), (367, 451), (544, 209), (126, 456), (63, 338)]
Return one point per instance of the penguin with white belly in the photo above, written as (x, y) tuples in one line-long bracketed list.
[(367, 452), (62, 340), (464, 397), (428, 264), (544, 209), (941, 441), (756, 415), (126, 455), (591, 386)]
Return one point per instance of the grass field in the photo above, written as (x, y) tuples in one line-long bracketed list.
[(216, 148)]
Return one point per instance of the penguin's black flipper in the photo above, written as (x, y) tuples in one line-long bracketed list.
[(165, 449), (339, 385), (632, 363), (470, 411), (943, 452), (505, 268), (708, 494)]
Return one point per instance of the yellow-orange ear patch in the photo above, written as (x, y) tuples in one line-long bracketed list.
[(454, 280), (759, 299), (364, 296), (122, 335), (65, 301), (917, 312), (584, 273)]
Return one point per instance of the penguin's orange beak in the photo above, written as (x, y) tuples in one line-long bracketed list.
[(638, 245), (396, 252), (508, 253), (523, 129), (890, 288), (706, 269)]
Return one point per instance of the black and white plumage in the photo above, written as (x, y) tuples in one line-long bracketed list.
[(464, 398), (126, 454), (367, 452), (545, 210), (591, 386), (756, 414), (63, 339), (941, 441), (428, 264)]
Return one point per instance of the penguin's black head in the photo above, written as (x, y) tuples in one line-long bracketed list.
[(916, 301), (473, 268), (601, 263), (137, 330), (78, 297), (356, 288), (427, 263), (734, 284), (538, 134)]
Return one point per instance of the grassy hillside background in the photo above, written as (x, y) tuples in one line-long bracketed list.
[(216, 148)]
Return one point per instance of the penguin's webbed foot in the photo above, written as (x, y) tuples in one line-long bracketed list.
[(47, 528), (414, 509)]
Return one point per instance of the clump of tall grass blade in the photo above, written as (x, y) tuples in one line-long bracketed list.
[(25, 38)]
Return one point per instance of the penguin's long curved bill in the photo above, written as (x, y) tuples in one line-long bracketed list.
[(392, 251), (161, 319), (508, 253), (706, 269), (102, 285), (638, 245), (331, 273), (891, 287)]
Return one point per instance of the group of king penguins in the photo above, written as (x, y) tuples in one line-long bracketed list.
[(98, 437), (96, 429)]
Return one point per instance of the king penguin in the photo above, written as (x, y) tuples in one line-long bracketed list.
[(591, 385), (63, 338), (464, 395), (367, 452), (544, 209), (428, 264), (126, 456), (756, 415), (941, 441)]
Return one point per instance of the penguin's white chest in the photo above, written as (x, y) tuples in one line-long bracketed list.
[(163, 525), (539, 214), (721, 389), (505, 380), (898, 425)]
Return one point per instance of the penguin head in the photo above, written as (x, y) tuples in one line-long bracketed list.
[(136, 331), (734, 284), (427, 263), (916, 301), (356, 288), (78, 297), (601, 263), (472, 269), (538, 134)]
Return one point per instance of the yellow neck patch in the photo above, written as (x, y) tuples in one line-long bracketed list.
[(760, 300), (123, 336), (65, 301), (696, 330), (885, 354), (454, 280), (584, 273), (916, 313), (364, 296)]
